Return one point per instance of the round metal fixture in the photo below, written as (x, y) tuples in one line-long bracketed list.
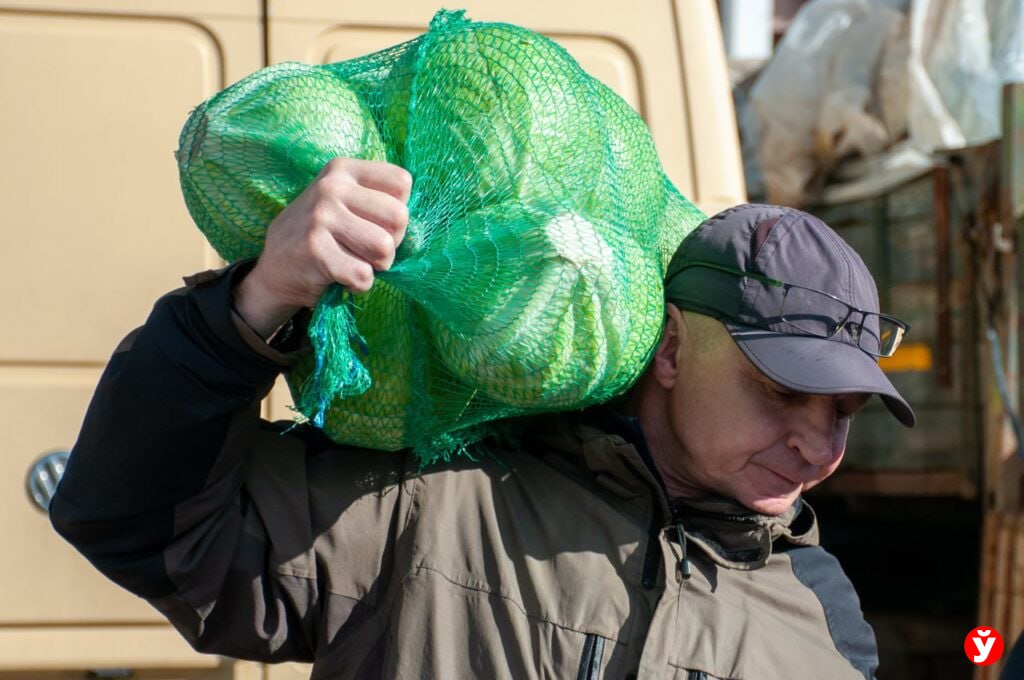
[(43, 477)]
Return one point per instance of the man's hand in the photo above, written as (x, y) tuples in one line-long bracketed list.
[(344, 227)]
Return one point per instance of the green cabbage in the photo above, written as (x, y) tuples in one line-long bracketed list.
[(248, 151), (541, 317)]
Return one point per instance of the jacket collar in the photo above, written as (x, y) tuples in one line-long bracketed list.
[(612, 449), (738, 538)]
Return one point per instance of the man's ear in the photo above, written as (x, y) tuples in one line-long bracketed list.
[(668, 358)]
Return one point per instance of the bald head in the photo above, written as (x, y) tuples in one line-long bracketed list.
[(687, 336), (700, 333)]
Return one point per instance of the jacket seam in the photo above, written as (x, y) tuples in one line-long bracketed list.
[(416, 483), (518, 605), (294, 574), (701, 669)]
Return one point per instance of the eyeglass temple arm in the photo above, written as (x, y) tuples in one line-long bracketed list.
[(738, 272)]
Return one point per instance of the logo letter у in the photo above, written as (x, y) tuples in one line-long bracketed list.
[(984, 646)]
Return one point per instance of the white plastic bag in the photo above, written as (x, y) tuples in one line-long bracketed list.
[(815, 101), (890, 80), (954, 88), (1006, 19)]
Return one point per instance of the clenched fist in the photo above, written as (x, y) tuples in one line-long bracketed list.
[(344, 227)]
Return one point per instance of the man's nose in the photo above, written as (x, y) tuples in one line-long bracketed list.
[(815, 432)]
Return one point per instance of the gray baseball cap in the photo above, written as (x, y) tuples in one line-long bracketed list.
[(797, 300)]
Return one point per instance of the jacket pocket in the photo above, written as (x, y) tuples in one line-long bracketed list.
[(590, 662), (696, 675)]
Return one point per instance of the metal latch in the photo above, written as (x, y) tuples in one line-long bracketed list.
[(43, 477)]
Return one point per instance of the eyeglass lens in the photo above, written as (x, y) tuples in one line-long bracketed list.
[(820, 315)]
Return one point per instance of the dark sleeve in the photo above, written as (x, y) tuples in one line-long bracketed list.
[(153, 493), (1014, 668), (851, 633)]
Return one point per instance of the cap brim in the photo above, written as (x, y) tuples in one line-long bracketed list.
[(818, 366)]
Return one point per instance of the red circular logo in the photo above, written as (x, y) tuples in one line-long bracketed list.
[(983, 646)]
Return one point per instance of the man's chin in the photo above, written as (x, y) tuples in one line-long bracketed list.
[(767, 492), (772, 505)]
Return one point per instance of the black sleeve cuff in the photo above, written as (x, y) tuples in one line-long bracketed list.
[(213, 293)]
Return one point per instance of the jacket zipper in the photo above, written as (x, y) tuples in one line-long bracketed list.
[(590, 663), (652, 556), (683, 565)]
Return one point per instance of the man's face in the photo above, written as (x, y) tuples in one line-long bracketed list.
[(732, 431)]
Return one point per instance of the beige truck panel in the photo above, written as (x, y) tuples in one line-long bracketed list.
[(139, 647), (48, 582), (288, 671), (97, 213), (94, 230)]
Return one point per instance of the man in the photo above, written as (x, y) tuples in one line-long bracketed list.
[(662, 538)]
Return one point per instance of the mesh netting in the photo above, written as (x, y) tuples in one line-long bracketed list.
[(530, 278)]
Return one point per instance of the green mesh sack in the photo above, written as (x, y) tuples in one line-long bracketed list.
[(248, 151), (541, 222)]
